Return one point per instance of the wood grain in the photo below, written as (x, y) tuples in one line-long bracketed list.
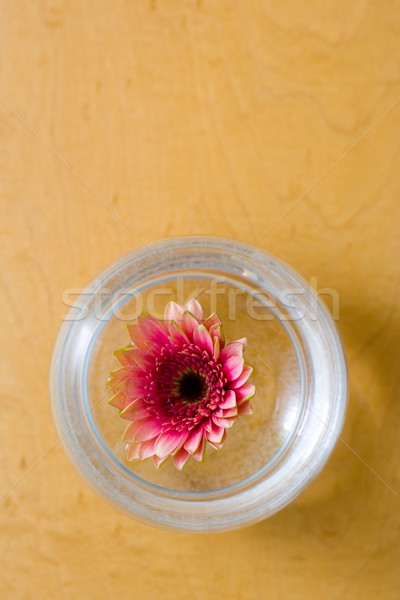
[(273, 123)]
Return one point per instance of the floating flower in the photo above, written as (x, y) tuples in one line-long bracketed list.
[(179, 386)]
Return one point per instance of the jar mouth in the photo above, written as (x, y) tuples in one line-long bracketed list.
[(313, 430)]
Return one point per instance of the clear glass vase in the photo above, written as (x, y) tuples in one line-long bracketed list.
[(299, 372)]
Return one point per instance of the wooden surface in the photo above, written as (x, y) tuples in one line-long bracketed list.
[(276, 123)]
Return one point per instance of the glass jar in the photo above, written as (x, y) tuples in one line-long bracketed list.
[(299, 372)]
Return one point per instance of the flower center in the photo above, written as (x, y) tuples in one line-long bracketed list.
[(191, 387)]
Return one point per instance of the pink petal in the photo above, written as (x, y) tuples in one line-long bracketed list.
[(123, 354), (136, 410), (227, 412), (216, 332), (141, 431), (233, 349), (222, 422), (152, 331), (178, 334), (243, 377), (119, 400), (194, 439), (146, 449), (208, 424), (233, 367), (173, 312), (128, 356), (132, 452), (118, 375), (115, 385), (130, 431), (143, 361), (245, 392), (139, 360), (159, 461), (216, 435), (218, 445), (202, 338), (245, 408), (189, 324), (211, 321), (168, 442), (229, 400), (194, 307), (199, 454), (132, 387), (216, 349), (136, 335), (242, 341), (180, 458)]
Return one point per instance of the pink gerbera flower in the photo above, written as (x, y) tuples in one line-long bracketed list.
[(179, 385)]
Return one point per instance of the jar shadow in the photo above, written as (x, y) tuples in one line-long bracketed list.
[(346, 508)]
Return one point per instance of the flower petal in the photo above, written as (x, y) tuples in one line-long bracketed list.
[(208, 424), (194, 307), (216, 435), (168, 442), (227, 412), (152, 331), (194, 439), (218, 445), (199, 454), (128, 356), (212, 321), (120, 400), (159, 461), (222, 422), (202, 338), (118, 375), (232, 349), (178, 334), (245, 392), (136, 410), (146, 449), (233, 367), (144, 361), (173, 311), (216, 332), (136, 335), (141, 431), (134, 387), (180, 458), (245, 408), (123, 354), (229, 400), (130, 430), (243, 377), (189, 324), (242, 341), (216, 349), (132, 451)]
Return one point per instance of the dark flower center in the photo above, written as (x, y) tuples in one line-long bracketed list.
[(191, 387)]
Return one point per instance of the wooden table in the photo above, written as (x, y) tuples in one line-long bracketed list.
[(272, 123)]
